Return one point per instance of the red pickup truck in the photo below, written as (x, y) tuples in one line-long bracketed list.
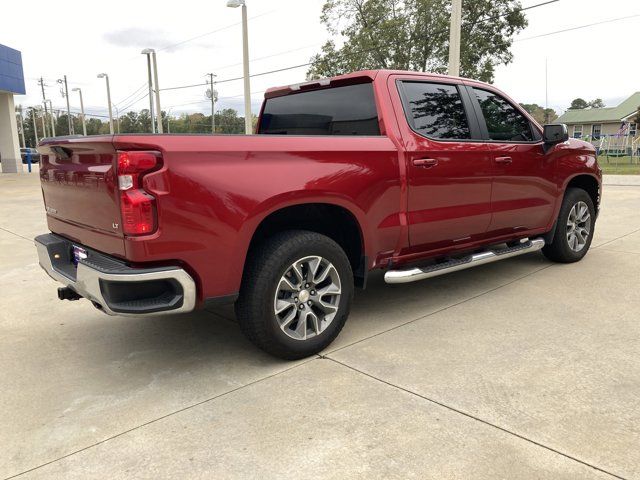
[(418, 174)]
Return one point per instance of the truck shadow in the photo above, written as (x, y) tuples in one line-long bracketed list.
[(382, 306), (212, 338)]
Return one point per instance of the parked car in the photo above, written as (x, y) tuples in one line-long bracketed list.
[(35, 156), (414, 173)]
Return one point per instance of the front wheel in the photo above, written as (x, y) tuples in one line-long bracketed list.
[(296, 294), (574, 228)]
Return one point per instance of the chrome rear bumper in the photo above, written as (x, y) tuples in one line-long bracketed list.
[(114, 287)]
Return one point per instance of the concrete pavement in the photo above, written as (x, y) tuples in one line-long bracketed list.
[(519, 369)]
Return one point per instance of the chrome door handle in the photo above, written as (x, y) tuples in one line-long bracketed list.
[(505, 160), (425, 162)]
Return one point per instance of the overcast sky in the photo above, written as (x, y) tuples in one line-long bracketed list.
[(194, 37)]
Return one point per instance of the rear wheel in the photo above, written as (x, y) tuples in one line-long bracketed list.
[(574, 228), (296, 293)]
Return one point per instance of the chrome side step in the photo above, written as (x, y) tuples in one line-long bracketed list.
[(420, 273)]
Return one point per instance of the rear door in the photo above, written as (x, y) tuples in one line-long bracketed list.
[(448, 168), (523, 194), (80, 193)]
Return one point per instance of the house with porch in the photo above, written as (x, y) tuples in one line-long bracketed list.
[(610, 129)]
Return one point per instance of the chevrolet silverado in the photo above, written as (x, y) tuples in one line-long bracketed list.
[(414, 173)]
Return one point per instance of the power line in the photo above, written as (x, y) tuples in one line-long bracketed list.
[(517, 10), (310, 63), (124, 109), (272, 55), (577, 28), (207, 100), (63, 111), (167, 47), (136, 92), (238, 78)]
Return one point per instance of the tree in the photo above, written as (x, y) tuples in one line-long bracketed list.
[(579, 104), (414, 35), (540, 114)]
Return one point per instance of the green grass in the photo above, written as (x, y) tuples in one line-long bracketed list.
[(619, 165)]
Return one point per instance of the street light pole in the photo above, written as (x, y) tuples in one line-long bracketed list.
[(155, 80), (53, 123), (454, 38), (84, 124), (106, 77), (66, 95), (248, 120), (147, 52)]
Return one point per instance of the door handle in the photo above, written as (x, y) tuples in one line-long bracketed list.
[(505, 160), (425, 162)]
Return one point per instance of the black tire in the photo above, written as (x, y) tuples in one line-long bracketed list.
[(265, 266), (560, 250)]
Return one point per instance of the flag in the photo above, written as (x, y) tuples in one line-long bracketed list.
[(623, 129)]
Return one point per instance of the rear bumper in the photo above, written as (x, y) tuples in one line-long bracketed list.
[(112, 285)]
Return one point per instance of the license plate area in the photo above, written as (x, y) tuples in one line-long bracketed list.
[(77, 254)]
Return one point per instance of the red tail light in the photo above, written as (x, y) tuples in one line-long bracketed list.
[(137, 206)]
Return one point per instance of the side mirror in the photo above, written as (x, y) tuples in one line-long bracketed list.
[(555, 133)]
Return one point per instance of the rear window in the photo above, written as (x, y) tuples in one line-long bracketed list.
[(348, 110), (435, 110)]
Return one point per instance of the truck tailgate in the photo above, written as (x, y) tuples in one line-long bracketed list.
[(79, 186)]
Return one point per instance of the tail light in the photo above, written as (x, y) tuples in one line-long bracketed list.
[(137, 206)]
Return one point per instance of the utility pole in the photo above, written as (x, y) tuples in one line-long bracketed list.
[(35, 125), (53, 125), (24, 143), (84, 123), (213, 95), (44, 100), (454, 38), (65, 94), (155, 79), (117, 118), (147, 52), (43, 122)]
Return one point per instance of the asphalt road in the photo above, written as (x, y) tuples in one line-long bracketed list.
[(518, 369)]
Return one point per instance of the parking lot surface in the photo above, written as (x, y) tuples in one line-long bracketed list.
[(518, 369)]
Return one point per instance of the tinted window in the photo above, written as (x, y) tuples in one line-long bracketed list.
[(504, 121), (349, 110), (436, 110)]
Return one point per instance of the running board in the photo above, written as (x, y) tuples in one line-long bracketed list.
[(420, 273)]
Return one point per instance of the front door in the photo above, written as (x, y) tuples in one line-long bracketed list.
[(523, 193), (449, 170)]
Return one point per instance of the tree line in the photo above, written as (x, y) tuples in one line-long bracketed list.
[(227, 122)]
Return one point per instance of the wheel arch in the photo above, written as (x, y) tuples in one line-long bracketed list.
[(331, 217), (586, 182)]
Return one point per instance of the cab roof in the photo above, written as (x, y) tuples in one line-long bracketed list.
[(361, 76)]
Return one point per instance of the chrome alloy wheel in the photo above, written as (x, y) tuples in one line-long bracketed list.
[(578, 226), (307, 297)]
